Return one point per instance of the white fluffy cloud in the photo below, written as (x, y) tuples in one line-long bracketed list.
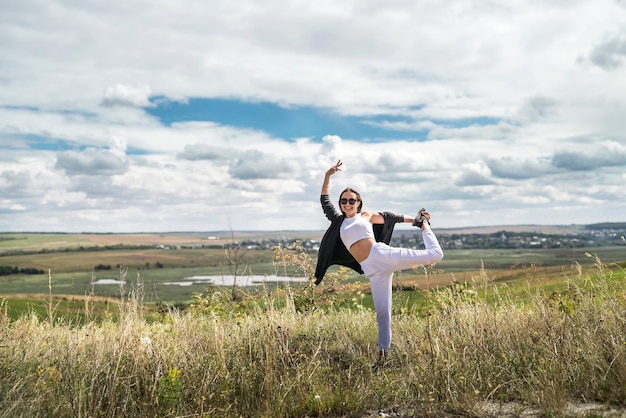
[(124, 95), (91, 162)]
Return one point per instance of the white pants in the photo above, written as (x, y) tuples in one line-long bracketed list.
[(379, 267)]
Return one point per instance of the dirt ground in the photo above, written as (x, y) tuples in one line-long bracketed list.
[(510, 410)]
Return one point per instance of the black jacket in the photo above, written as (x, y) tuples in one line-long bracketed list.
[(332, 251)]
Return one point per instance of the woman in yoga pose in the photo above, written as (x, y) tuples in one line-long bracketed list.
[(360, 240)]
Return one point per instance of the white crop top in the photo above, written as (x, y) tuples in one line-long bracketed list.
[(355, 229)]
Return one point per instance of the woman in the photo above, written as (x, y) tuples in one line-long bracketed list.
[(360, 240)]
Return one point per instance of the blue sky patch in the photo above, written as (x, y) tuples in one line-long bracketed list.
[(280, 122)]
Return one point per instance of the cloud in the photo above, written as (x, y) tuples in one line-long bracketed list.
[(8, 208), (472, 178), (474, 174), (91, 162), (537, 108), (253, 165), (580, 161), (500, 130), (30, 180), (331, 147), (518, 169), (16, 184), (202, 151), (610, 54), (126, 95)]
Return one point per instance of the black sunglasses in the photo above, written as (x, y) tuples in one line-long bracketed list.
[(343, 201)]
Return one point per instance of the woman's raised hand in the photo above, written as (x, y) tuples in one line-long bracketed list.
[(335, 168), (330, 172)]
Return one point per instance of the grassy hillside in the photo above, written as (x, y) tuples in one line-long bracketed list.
[(474, 349)]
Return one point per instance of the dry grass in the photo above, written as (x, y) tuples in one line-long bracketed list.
[(267, 358)]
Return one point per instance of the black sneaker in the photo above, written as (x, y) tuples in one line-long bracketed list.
[(381, 361)]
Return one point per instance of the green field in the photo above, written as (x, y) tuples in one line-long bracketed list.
[(69, 263)]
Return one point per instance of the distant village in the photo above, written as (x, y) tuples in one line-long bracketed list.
[(511, 240), (598, 235)]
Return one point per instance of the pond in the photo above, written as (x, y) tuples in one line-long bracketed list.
[(221, 280)]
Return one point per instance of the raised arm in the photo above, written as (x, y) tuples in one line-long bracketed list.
[(330, 172)]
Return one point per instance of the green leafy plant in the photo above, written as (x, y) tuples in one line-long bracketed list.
[(170, 388)]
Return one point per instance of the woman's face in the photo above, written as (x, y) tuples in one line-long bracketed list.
[(351, 206)]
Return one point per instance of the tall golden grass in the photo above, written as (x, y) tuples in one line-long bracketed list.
[(471, 344)]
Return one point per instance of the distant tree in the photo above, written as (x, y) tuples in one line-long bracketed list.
[(8, 270), (101, 267)]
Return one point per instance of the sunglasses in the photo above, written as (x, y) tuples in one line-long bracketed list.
[(344, 201)]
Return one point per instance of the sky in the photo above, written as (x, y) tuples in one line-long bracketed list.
[(215, 115)]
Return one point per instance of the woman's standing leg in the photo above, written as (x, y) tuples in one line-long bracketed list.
[(381, 285)]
